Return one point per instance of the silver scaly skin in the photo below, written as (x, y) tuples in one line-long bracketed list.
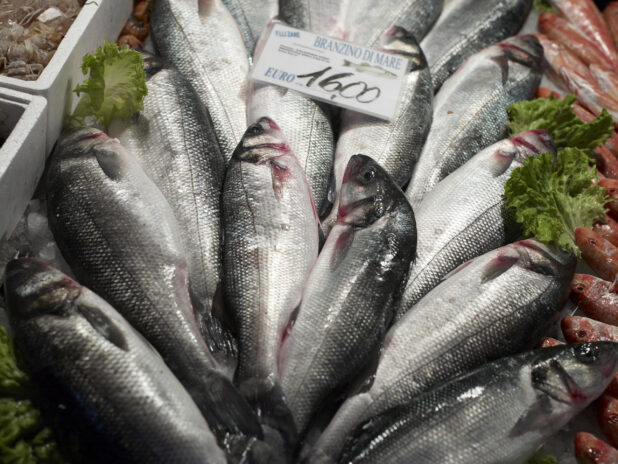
[(464, 215), (495, 305), (118, 395), (252, 18), (466, 27), (367, 20), (498, 414), (177, 148), (395, 145), (201, 39), (119, 235), (325, 17), (305, 124), (470, 111), (271, 241), (348, 301)]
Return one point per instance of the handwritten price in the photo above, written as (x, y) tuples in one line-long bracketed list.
[(357, 90)]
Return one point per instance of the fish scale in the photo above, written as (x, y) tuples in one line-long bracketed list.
[(251, 19)]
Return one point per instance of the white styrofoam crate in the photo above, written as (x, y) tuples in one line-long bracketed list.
[(23, 123), (97, 20)]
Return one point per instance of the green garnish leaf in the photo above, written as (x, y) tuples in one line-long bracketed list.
[(537, 459), (544, 5), (11, 377), (115, 88), (557, 117), (551, 198)]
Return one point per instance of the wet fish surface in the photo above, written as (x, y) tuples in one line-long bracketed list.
[(498, 414), (477, 314), (349, 298), (120, 237), (464, 216), (395, 145), (201, 39), (470, 111), (111, 382), (252, 18), (465, 28), (176, 146)]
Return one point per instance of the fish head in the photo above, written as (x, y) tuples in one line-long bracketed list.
[(261, 141), (533, 142), (367, 192), (399, 41), (524, 49), (590, 450), (152, 63), (585, 286), (33, 288), (578, 329), (543, 259)]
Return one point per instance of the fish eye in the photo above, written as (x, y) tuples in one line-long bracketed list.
[(256, 129), (369, 174), (587, 353)]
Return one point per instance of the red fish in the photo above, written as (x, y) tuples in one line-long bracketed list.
[(611, 186), (600, 254), (543, 92), (594, 297), (590, 450), (607, 162), (608, 418), (583, 330), (608, 229), (610, 14)]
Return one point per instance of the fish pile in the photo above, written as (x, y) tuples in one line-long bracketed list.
[(255, 277)]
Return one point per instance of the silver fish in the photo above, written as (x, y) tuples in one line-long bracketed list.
[(349, 297), (271, 240), (367, 21), (176, 146), (464, 215), (201, 39), (395, 145), (466, 27), (498, 414), (252, 18), (305, 124), (470, 111), (120, 237), (493, 306), (326, 17), (109, 379)]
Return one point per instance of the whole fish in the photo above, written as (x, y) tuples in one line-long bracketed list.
[(582, 330), (120, 237), (201, 39), (252, 18), (367, 21), (611, 186), (395, 145), (176, 146), (477, 314), (598, 253), (464, 216), (109, 379), (271, 240), (470, 111), (349, 297), (591, 450), (305, 124), (594, 297), (498, 414), (465, 28), (326, 17)]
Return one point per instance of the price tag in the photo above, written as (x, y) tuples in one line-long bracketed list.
[(340, 73)]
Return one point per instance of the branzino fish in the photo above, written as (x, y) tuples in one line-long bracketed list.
[(395, 145), (271, 242), (176, 146), (367, 21), (252, 18), (470, 111), (109, 379), (498, 414), (120, 237), (464, 216), (326, 17), (466, 27), (305, 123), (348, 301), (201, 39), (479, 313)]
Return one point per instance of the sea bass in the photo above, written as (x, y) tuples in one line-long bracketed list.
[(109, 379), (470, 111), (176, 146), (201, 39), (498, 414), (120, 237), (304, 122), (477, 314), (348, 300), (464, 216), (271, 242), (465, 28), (395, 145)]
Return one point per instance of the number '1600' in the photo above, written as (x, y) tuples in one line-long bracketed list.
[(357, 90)]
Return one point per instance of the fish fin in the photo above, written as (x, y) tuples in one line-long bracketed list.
[(501, 161), (498, 266), (104, 325), (109, 162), (534, 418), (344, 242)]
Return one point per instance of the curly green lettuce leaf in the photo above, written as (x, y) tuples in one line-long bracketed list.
[(550, 198), (115, 88), (538, 459), (544, 5), (11, 376), (557, 117)]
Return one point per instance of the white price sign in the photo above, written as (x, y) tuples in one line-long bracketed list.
[(340, 73)]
